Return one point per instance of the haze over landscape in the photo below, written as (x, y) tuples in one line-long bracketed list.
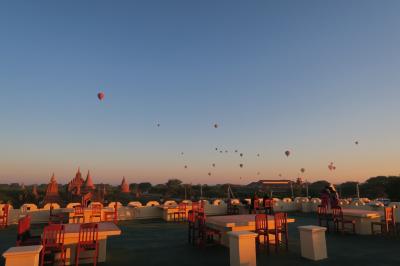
[(312, 78)]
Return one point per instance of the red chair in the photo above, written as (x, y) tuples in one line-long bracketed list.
[(322, 213), (269, 206), (256, 206), (180, 215), (337, 215), (262, 229), (88, 241), (195, 206), (111, 216), (96, 211), (280, 231), (192, 237), (388, 225), (4, 216), (24, 236), (53, 242), (78, 214), (206, 234)]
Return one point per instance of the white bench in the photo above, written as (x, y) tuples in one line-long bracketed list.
[(25, 255)]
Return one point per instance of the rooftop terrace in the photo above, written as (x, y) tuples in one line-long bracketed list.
[(156, 242)]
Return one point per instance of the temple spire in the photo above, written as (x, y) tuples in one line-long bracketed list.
[(124, 186), (89, 182)]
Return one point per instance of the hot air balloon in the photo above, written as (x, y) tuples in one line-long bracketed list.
[(182, 153), (100, 95), (220, 151), (241, 165), (302, 170), (258, 155), (216, 149), (158, 124), (213, 165), (226, 151), (185, 166), (356, 142), (215, 125), (287, 153), (258, 173), (241, 155), (209, 174)]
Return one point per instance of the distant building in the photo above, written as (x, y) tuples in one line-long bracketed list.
[(52, 195), (75, 185), (124, 186), (276, 186)]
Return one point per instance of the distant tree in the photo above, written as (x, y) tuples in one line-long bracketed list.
[(348, 189), (145, 187), (393, 188), (315, 188)]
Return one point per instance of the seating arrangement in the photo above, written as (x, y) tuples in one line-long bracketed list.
[(88, 241), (339, 222), (269, 206), (388, 225), (53, 244), (96, 212), (232, 209), (262, 230), (281, 231), (111, 216), (322, 213), (206, 235), (4, 216), (180, 214), (78, 214), (24, 236)]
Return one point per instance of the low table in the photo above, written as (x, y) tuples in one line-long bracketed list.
[(245, 222), (86, 212)]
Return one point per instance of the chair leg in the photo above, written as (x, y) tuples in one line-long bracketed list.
[(77, 256), (42, 258)]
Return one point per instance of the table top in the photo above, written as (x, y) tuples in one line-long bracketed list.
[(70, 210), (23, 250), (105, 228), (361, 213), (238, 220)]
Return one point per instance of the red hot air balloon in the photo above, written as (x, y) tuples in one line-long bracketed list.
[(287, 153), (100, 95)]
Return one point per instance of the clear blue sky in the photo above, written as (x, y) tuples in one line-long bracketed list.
[(309, 76)]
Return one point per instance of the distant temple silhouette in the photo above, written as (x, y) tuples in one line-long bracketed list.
[(124, 186), (52, 195)]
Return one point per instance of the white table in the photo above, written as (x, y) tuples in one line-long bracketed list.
[(362, 218), (106, 229), (245, 222)]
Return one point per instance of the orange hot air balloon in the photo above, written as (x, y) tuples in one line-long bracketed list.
[(100, 95), (287, 153)]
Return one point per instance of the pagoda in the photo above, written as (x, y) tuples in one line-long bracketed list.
[(88, 184), (124, 186), (75, 185), (52, 195)]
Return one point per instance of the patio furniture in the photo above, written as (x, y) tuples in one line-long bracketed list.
[(206, 234), (95, 212), (88, 241), (78, 214), (280, 231), (192, 227), (387, 225), (323, 215), (313, 242), (338, 219), (4, 216), (109, 216), (232, 209), (23, 255), (53, 243), (242, 250), (261, 221), (362, 218), (268, 206), (244, 222), (180, 214), (24, 236)]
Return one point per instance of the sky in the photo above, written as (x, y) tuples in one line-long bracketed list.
[(307, 76)]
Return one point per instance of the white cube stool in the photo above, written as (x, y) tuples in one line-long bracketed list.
[(25, 255), (242, 248), (313, 243)]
